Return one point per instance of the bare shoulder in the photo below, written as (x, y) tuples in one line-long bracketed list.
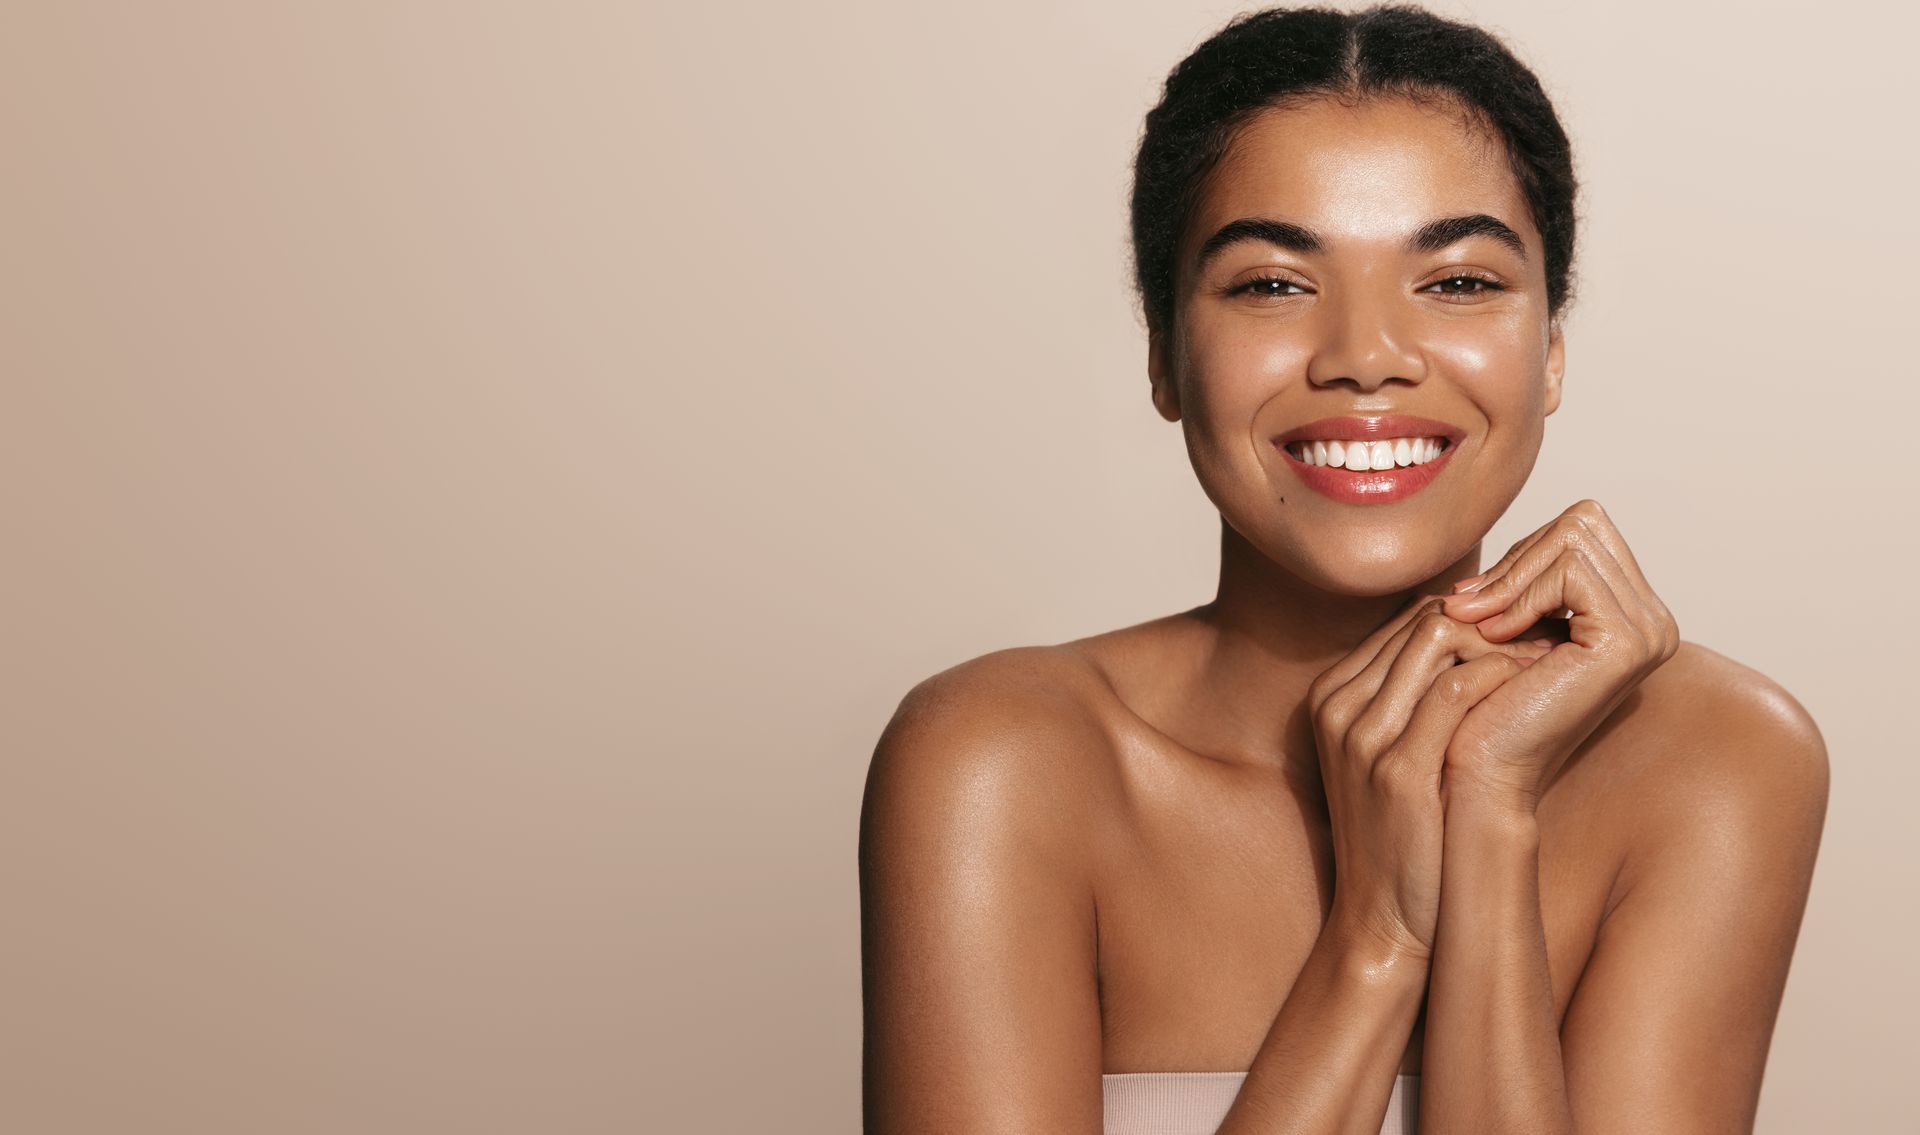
[(1716, 725), (1012, 735), (978, 929), (1009, 695), (1711, 755), (1715, 778)]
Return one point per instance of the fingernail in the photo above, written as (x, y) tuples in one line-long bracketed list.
[(1471, 583)]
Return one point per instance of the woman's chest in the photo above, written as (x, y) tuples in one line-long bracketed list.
[(1212, 898)]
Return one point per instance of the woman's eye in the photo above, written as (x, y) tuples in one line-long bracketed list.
[(1269, 287), (1454, 288), (1469, 291)]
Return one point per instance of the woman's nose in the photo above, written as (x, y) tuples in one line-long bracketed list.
[(1364, 340)]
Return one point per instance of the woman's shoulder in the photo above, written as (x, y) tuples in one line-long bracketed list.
[(1706, 742), (1024, 701), (1017, 732), (1016, 678), (1707, 704)]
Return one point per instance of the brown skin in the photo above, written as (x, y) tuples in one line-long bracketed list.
[(1571, 868)]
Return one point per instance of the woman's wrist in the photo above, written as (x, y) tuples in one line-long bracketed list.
[(1473, 802), (1365, 956), (1488, 842)]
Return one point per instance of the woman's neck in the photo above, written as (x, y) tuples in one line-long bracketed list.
[(1267, 635)]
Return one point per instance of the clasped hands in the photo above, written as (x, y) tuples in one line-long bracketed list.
[(1480, 695)]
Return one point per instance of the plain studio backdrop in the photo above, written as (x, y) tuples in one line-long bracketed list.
[(478, 477)]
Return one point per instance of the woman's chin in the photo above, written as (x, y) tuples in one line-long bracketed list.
[(1359, 577)]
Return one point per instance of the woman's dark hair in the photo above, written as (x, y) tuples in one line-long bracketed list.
[(1283, 55)]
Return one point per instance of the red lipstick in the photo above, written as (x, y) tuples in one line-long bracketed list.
[(1374, 486)]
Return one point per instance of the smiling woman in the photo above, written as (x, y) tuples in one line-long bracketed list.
[(1186, 875)]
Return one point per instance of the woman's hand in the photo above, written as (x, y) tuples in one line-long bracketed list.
[(1383, 719), (1512, 744)]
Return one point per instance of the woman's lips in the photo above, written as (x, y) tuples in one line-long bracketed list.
[(1372, 427), (1375, 486)]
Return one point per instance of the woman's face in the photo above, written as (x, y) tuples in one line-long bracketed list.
[(1346, 313)]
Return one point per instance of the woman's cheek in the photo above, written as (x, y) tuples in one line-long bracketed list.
[(1496, 362), (1236, 474), (1208, 428)]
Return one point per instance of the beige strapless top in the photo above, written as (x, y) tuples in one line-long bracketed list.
[(1194, 1103)]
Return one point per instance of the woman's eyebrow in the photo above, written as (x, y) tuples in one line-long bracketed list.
[(1430, 237)]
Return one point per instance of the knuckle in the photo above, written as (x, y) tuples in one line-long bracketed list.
[(1395, 773), (1505, 665), (1324, 685), (1434, 629), (1365, 738), (1604, 640), (1652, 632), (1335, 712), (1453, 686)]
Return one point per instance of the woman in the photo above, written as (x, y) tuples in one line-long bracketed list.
[(1376, 839)]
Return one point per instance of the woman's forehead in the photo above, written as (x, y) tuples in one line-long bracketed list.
[(1365, 173)]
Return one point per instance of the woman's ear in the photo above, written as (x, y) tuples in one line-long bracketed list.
[(1556, 362), (1166, 396)]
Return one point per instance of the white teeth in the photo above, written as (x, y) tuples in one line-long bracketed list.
[(1363, 456)]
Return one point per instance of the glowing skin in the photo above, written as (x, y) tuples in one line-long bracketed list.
[(1120, 854), (1363, 327)]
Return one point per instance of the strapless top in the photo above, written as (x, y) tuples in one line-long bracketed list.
[(1195, 1103)]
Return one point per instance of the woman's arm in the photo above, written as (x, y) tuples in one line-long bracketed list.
[(1329, 1061), (982, 1011), (1491, 1060), (978, 932), (1669, 1027), (1724, 783)]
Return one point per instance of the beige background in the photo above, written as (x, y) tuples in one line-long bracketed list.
[(477, 478)]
